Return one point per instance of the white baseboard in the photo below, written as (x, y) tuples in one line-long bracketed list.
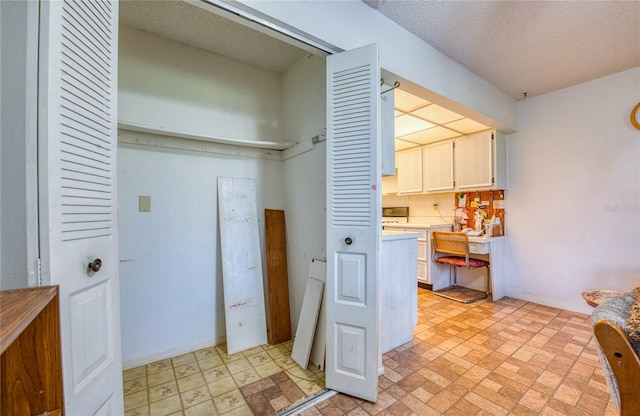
[(126, 365)]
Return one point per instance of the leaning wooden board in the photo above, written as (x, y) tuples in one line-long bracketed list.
[(307, 322), (241, 264), (318, 270), (277, 277)]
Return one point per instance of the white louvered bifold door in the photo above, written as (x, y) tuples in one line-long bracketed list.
[(353, 223), (77, 139)]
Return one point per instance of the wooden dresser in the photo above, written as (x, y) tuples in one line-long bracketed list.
[(30, 366)]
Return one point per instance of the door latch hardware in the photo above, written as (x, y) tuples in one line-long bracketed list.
[(94, 267)]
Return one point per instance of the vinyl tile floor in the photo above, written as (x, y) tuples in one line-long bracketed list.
[(509, 357), (259, 381)]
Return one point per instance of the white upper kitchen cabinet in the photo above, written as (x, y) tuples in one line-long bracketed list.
[(437, 166), (480, 161), (410, 171)]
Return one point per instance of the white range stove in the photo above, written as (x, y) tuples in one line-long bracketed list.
[(395, 215)]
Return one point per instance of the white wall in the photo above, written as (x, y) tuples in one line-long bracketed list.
[(18, 39), (171, 281), (351, 23), (304, 101), (170, 269), (165, 84), (574, 194)]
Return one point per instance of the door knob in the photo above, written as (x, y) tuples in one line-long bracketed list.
[(348, 241), (94, 267)]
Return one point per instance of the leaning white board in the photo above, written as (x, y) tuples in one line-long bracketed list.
[(307, 322), (318, 270), (244, 311)]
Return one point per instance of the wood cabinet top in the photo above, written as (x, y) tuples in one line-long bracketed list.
[(18, 308)]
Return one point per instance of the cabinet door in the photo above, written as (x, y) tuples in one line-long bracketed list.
[(474, 161), (437, 164), (389, 185), (410, 171)]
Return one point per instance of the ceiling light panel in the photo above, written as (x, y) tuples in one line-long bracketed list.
[(466, 126), (408, 102), (407, 124), (431, 135), (436, 114)]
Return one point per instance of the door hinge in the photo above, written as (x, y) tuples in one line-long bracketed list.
[(39, 271), (492, 136), (493, 180)]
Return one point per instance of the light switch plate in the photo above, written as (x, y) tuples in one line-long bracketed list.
[(498, 204), (144, 203)]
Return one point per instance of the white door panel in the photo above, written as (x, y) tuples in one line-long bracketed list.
[(353, 211), (77, 166)]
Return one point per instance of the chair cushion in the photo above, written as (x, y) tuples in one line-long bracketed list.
[(616, 310), (460, 261), (633, 322)]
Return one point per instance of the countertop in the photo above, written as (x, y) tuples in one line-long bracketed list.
[(416, 225), (388, 235)]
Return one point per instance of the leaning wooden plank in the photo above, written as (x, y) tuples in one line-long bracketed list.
[(277, 278), (241, 264), (307, 322), (318, 270)]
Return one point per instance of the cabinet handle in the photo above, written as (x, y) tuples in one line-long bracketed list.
[(348, 241)]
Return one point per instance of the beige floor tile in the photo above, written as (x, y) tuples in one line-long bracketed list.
[(242, 410), (252, 351), (229, 401), (134, 385), (163, 391), (222, 386), (190, 382), (159, 366), (259, 358), (166, 406), (186, 370), (238, 366), (216, 373), (268, 369), (140, 411), (135, 400), (285, 362), (206, 353), (183, 359), (202, 409), (210, 362), (195, 396), (133, 373), (161, 377), (308, 387), (246, 377)]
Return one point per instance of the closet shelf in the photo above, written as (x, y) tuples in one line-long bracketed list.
[(125, 125)]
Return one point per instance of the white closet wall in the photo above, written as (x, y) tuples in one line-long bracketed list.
[(171, 280), (173, 86), (304, 98)]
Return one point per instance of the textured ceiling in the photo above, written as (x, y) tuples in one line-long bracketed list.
[(193, 26), (526, 46)]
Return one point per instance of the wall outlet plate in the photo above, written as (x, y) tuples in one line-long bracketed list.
[(144, 203)]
